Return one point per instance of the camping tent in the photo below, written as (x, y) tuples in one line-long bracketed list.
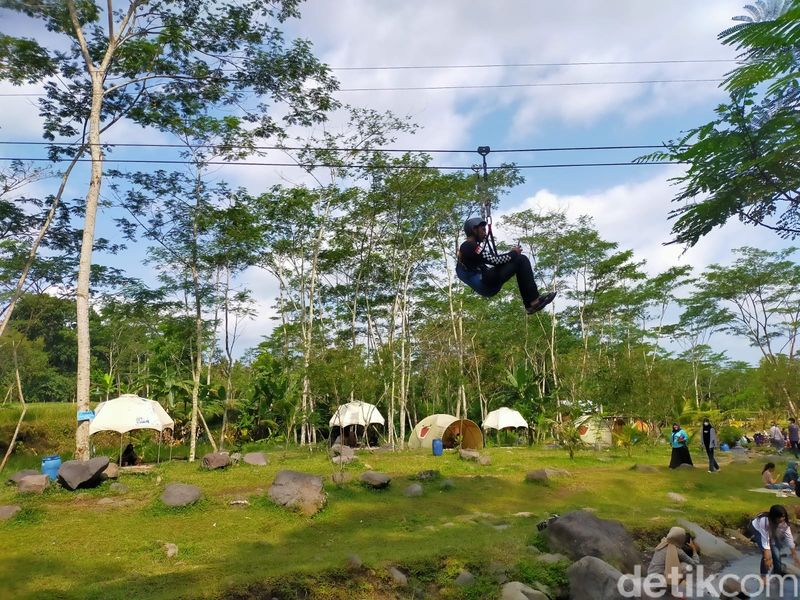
[(503, 418), (445, 428), (129, 412), (356, 413), (594, 430)]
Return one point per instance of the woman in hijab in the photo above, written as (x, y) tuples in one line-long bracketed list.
[(771, 532), (670, 560), (710, 443), (680, 448)]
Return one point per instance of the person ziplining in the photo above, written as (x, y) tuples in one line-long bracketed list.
[(483, 269)]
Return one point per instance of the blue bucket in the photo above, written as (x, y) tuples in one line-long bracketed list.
[(50, 465), (438, 447)]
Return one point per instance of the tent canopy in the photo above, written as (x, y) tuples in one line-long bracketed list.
[(594, 430), (129, 412), (503, 418), (356, 413), (446, 428)]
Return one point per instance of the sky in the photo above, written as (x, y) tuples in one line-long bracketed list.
[(629, 204)]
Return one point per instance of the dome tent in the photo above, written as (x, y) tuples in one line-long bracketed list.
[(446, 428), (503, 418), (594, 430)]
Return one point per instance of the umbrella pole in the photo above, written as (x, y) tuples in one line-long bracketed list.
[(121, 439), (159, 448)]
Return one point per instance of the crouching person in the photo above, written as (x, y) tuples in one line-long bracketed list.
[(672, 561)]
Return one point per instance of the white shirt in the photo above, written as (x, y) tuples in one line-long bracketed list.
[(775, 433), (761, 525)]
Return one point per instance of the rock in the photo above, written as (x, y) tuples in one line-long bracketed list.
[(398, 576), (544, 475), (593, 579), (181, 494), (738, 536), (465, 578), (644, 468), (339, 450), (552, 558), (447, 485), (119, 488), (375, 480), (170, 550), (580, 533), (74, 474), (675, 497), (16, 477), (342, 460), (428, 475), (710, 546), (258, 459), (111, 471), (216, 460), (469, 454), (239, 502), (299, 491), (484, 460), (8, 511), (340, 478), (33, 484), (354, 562), (685, 466), (413, 491), (514, 590)]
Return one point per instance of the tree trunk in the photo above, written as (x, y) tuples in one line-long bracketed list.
[(21, 416)]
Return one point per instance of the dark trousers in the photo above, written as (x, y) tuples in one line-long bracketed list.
[(520, 266), (777, 567), (713, 465), (795, 448)]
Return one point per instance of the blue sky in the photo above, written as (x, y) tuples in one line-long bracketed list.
[(629, 204)]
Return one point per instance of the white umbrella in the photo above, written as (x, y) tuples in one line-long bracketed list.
[(503, 418), (356, 413), (129, 412)]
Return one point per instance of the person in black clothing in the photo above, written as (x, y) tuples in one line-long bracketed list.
[(129, 457), (485, 271), (710, 443)]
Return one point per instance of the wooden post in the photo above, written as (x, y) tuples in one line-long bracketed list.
[(24, 409)]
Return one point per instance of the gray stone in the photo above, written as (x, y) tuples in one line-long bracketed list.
[(74, 474), (119, 488), (342, 460), (111, 471), (181, 494), (465, 578), (258, 459), (710, 546), (9, 510), (544, 475), (675, 497), (428, 475), (16, 477), (398, 576), (298, 491), (33, 484), (413, 491), (340, 450), (170, 550), (515, 590), (375, 480), (593, 579), (469, 454), (216, 460), (354, 562), (484, 460), (447, 485), (581, 533)]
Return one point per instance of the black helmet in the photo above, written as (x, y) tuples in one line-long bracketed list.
[(471, 224)]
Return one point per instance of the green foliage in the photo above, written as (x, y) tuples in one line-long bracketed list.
[(628, 436), (728, 434), (568, 436)]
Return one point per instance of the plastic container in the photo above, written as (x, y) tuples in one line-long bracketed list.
[(724, 447), (50, 465), (438, 447)]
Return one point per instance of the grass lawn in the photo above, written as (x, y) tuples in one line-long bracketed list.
[(71, 545)]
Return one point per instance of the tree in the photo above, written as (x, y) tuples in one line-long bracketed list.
[(152, 62)]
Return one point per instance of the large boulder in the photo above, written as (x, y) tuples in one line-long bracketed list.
[(180, 494), (111, 471), (216, 460), (298, 491), (74, 474), (258, 459), (710, 546), (581, 533), (593, 579), (469, 454), (9, 510), (340, 450), (375, 480), (17, 477), (515, 590), (33, 484)]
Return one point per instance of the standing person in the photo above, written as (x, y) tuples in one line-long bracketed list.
[(680, 448), (776, 437), (710, 443), (794, 436), (771, 532), (485, 271)]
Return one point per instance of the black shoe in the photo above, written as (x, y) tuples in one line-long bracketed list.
[(540, 303)]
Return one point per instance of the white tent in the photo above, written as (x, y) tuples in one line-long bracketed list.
[(503, 418), (356, 413), (129, 412), (594, 430), (447, 428)]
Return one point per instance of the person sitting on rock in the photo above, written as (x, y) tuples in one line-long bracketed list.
[(671, 561), (768, 477), (129, 457)]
